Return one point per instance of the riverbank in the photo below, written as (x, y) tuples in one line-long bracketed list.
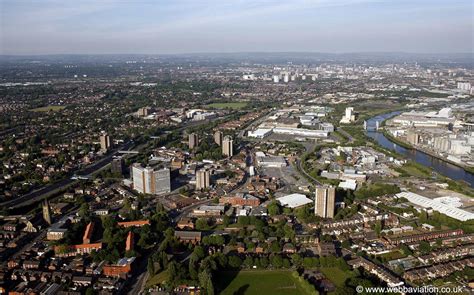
[(452, 173), (432, 154)]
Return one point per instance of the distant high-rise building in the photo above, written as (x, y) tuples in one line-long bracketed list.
[(193, 140), (466, 86), (143, 112), (348, 116), (104, 141), (325, 201), (147, 180), (203, 179), (218, 135), (227, 146), (276, 78), (116, 166), (46, 212), (286, 78)]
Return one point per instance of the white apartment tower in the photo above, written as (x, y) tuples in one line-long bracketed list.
[(227, 146), (325, 201), (104, 141), (203, 179), (147, 180)]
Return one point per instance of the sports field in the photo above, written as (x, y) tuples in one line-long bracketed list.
[(227, 105), (48, 108), (258, 282)]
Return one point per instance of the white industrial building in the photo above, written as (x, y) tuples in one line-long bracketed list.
[(439, 205), (300, 132), (348, 184), (264, 132), (260, 133), (294, 200), (271, 161)]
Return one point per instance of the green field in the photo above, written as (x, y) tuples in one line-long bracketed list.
[(48, 108), (227, 105), (258, 282), (336, 275), (159, 278), (413, 169)]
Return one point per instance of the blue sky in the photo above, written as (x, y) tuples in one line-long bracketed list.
[(184, 26)]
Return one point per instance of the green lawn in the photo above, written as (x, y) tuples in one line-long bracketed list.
[(258, 282), (48, 108), (227, 105), (414, 169), (336, 275), (157, 279), (392, 255)]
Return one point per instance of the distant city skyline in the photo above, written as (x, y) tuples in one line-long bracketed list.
[(29, 27)]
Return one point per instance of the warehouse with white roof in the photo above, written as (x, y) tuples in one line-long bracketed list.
[(437, 205), (294, 200)]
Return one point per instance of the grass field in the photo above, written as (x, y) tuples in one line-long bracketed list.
[(412, 169), (48, 108), (227, 105), (261, 282), (157, 279), (336, 275)]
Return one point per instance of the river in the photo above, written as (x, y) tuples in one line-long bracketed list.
[(438, 165)]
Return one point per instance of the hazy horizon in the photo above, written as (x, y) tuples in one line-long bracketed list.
[(52, 27)]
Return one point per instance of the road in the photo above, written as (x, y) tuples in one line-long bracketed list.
[(347, 135), (300, 168)]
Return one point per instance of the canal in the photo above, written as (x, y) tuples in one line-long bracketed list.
[(442, 167)]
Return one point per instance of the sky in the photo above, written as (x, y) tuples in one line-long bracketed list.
[(194, 26)]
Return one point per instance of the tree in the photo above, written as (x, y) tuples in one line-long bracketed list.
[(248, 261), (151, 267), (244, 220), (84, 211), (221, 259), (201, 224), (273, 208), (173, 273), (277, 261), (425, 247), (275, 247), (378, 227), (264, 262), (199, 251), (296, 259), (208, 263), (204, 278), (193, 266), (406, 250), (235, 261), (226, 221)]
